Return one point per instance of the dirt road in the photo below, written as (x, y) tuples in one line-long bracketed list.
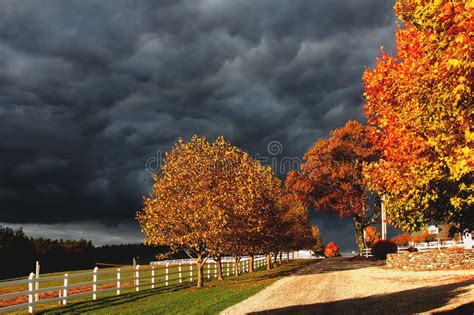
[(344, 286)]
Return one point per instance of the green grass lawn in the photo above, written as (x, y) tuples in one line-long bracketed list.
[(184, 299)]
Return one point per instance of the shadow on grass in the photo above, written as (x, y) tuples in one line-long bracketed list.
[(243, 279), (79, 307), (405, 302)]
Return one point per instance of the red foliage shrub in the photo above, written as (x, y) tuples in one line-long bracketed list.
[(331, 250), (402, 239), (423, 237)]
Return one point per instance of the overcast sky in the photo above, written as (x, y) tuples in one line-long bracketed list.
[(92, 90)]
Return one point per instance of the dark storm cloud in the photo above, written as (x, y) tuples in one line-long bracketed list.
[(89, 90)]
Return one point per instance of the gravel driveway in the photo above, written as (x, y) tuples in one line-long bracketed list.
[(345, 286)]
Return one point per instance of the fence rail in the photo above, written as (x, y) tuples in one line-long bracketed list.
[(62, 288), (420, 246)]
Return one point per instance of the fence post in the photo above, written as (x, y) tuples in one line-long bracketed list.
[(227, 268), (94, 283), (137, 276), (208, 270), (180, 275), (37, 283), (31, 290), (166, 279), (152, 277), (118, 281), (65, 288), (215, 269), (191, 271)]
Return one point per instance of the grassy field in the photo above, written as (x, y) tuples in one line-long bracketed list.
[(181, 299), (80, 281)]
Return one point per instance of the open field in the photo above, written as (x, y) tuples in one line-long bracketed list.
[(349, 286)]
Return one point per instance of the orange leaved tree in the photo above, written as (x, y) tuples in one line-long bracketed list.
[(420, 108), (371, 235), (331, 179), (292, 231), (317, 245), (200, 186)]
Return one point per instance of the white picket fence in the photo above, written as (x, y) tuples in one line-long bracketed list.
[(157, 274), (421, 246)]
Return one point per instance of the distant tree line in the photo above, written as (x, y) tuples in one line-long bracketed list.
[(19, 253)]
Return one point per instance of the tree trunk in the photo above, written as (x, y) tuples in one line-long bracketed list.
[(219, 268), (275, 258), (236, 265), (359, 234), (250, 263), (269, 262), (200, 266), (288, 256), (281, 257)]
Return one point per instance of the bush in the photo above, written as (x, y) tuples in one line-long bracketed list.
[(423, 237), (412, 249), (382, 248), (331, 250), (402, 239)]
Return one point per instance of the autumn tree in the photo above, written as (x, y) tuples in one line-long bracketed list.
[(293, 231), (420, 110), (195, 197), (331, 178), (371, 235), (251, 224), (317, 246)]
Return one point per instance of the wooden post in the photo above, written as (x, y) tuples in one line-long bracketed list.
[(94, 283), (137, 276), (153, 277), (191, 271), (208, 270), (215, 269), (31, 290), (65, 288), (166, 274), (228, 273), (37, 283), (180, 275), (118, 281), (383, 217)]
